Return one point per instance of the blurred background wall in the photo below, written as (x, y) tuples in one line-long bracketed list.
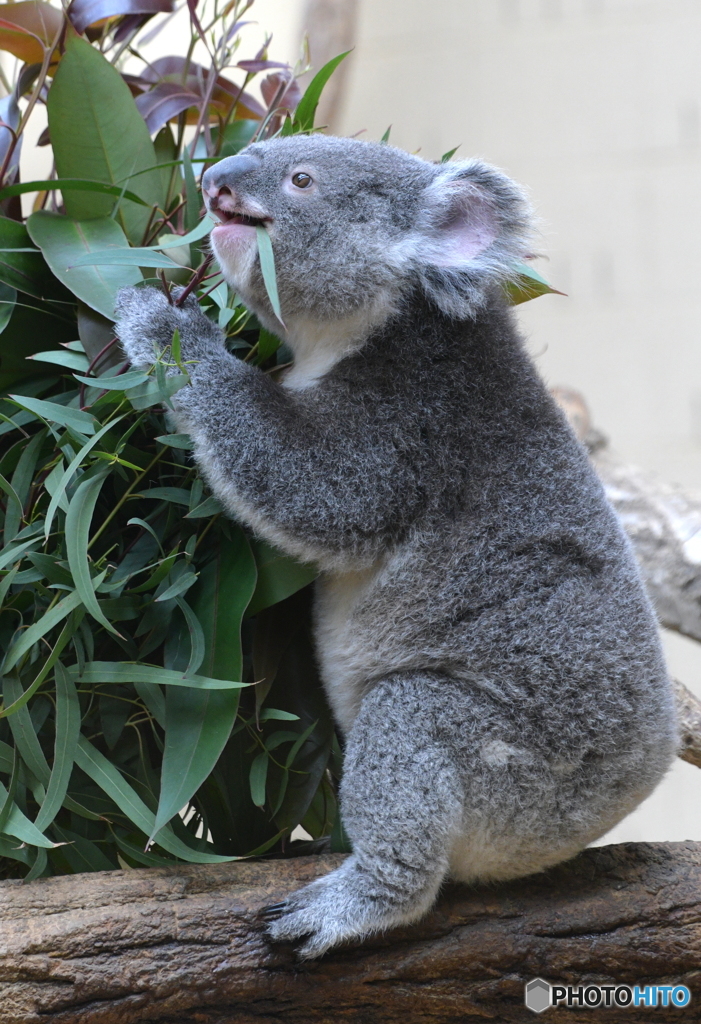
[(595, 105)]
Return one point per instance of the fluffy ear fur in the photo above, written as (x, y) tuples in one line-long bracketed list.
[(475, 227)]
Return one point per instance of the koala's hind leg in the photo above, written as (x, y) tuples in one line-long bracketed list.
[(402, 802)]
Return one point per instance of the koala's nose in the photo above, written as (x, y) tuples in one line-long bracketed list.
[(226, 173)]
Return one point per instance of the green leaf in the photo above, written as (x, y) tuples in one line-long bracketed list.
[(65, 744), (198, 724), (125, 258), (193, 204), (25, 271), (449, 155), (139, 256), (55, 413), (267, 266), (71, 185), (219, 601), (528, 285), (138, 672), (78, 522), (179, 587), (8, 300), (306, 109), (19, 825), (268, 344), (257, 778), (72, 360), (33, 326), (21, 484), (109, 779), (71, 470), (279, 576), (98, 133), (36, 632), (62, 240), (121, 383), (176, 441), (209, 507)]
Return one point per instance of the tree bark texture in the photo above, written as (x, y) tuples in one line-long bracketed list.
[(184, 945)]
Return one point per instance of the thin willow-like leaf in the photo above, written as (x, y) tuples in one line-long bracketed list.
[(66, 742)]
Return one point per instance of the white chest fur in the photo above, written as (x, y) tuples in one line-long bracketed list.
[(347, 660)]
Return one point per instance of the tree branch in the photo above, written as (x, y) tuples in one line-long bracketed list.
[(183, 945)]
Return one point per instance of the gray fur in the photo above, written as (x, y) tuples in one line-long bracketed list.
[(482, 629)]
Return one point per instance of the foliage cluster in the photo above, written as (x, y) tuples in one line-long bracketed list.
[(160, 697)]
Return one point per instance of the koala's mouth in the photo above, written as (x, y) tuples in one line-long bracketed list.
[(235, 217)]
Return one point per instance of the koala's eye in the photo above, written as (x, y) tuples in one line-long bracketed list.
[(302, 180)]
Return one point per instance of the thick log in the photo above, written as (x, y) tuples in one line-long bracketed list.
[(186, 945)]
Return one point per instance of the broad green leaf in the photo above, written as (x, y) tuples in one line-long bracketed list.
[(138, 672), (279, 576), (223, 592), (257, 778), (55, 413), (71, 360), (267, 266), (25, 271), (62, 240), (98, 133), (198, 724), (65, 744), (78, 522), (109, 779), (306, 109), (71, 185)]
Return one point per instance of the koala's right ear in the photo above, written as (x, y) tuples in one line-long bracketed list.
[(475, 227)]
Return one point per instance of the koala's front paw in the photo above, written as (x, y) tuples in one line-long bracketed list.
[(147, 321)]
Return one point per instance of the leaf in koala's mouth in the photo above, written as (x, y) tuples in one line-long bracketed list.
[(240, 218)]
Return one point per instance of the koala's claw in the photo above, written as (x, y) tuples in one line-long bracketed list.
[(273, 911)]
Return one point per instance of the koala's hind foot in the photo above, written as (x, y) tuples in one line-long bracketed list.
[(401, 804)]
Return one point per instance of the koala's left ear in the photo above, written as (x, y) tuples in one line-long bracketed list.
[(475, 227)]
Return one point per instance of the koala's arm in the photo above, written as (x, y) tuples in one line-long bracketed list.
[(314, 478)]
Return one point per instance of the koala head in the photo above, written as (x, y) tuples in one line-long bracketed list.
[(355, 225)]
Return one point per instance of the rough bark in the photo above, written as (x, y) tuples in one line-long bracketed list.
[(184, 945)]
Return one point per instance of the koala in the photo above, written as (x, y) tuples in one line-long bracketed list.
[(484, 638)]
